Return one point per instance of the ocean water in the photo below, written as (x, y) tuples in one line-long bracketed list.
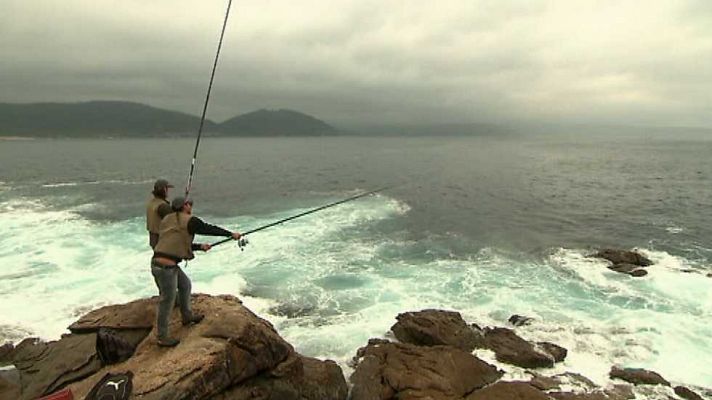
[(488, 226)]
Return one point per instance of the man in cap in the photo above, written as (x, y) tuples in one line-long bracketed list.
[(175, 243), (157, 208)]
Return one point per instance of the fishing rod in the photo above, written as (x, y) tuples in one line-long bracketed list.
[(205, 105), (242, 242)]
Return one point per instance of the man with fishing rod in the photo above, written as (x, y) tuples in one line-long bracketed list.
[(175, 244)]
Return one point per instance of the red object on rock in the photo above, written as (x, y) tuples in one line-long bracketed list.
[(64, 394)]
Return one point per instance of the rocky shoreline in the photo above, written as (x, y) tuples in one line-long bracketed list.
[(234, 354)]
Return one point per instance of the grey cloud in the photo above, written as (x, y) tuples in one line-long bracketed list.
[(357, 62)]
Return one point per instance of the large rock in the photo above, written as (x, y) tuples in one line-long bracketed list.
[(297, 378), (230, 350), (436, 327), (508, 391), (623, 257), (406, 371), (47, 367), (686, 393), (9, 384), (638, 376), (6, 351), (512, 349)]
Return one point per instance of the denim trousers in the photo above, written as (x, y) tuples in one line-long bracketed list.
[(171, 281)]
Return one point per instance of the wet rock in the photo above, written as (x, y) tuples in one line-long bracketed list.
[(401, 370), (686, 393), (436, 327), (559, 353), (623, 257), (512, 349), (630, 269), (620, 392), (520, 320), (709, 275), (6, 351), (598, 395), (47, 367), (230, 350), (508, 391), (638, 376)]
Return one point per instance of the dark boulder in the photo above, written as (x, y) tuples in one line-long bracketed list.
[(406, 371), (623, 257), (638, 376), (508, 391), (436, 327), (512, 349), (686, 393), (520, 320)]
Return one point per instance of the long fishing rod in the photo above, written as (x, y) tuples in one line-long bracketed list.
[(205, 105), (281, 221)]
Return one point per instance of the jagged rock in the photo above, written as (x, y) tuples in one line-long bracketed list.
[(401, 370), (638, 376), (512, 349), (559, 353), (229, 349), (520, 320), (686, 393), (508, 391), (47, 367), (630, 269), (620, 392), (436, 327), (6, 351), (577, 379), (297, 378), (623, 257)]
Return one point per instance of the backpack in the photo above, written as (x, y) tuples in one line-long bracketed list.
[(112, 387)]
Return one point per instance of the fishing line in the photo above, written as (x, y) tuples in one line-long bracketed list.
[(241, 243), (205, 105)]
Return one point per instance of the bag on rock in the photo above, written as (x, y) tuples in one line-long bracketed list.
[(112, 387)]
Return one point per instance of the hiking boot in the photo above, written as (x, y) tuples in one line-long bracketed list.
[(168, 342), (194, 319)]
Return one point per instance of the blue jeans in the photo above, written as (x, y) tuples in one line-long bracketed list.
[(169, 281)]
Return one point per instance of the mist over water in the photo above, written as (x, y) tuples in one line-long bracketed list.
[(488, 226)]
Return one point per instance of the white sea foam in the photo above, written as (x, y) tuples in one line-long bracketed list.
[(350, 286), (104, 182)]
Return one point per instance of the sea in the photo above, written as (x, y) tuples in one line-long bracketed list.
[(489, 226)]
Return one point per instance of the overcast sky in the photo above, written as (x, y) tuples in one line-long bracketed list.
[(643, 62)]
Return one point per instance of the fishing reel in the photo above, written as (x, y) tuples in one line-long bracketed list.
[(242, 242)]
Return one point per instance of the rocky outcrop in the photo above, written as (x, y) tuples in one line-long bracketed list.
[(6, 352), (630, 269), (638, 376), (232, 353), (405, 371), (512, 349), (623, 257), (437, 327)]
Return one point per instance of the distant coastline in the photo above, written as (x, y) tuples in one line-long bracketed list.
[(16, 138)]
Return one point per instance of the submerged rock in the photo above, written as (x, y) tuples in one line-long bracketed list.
[(436, 327), (520, 320), (623, 257), (407, 371), (638, 376), (630, 269)]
